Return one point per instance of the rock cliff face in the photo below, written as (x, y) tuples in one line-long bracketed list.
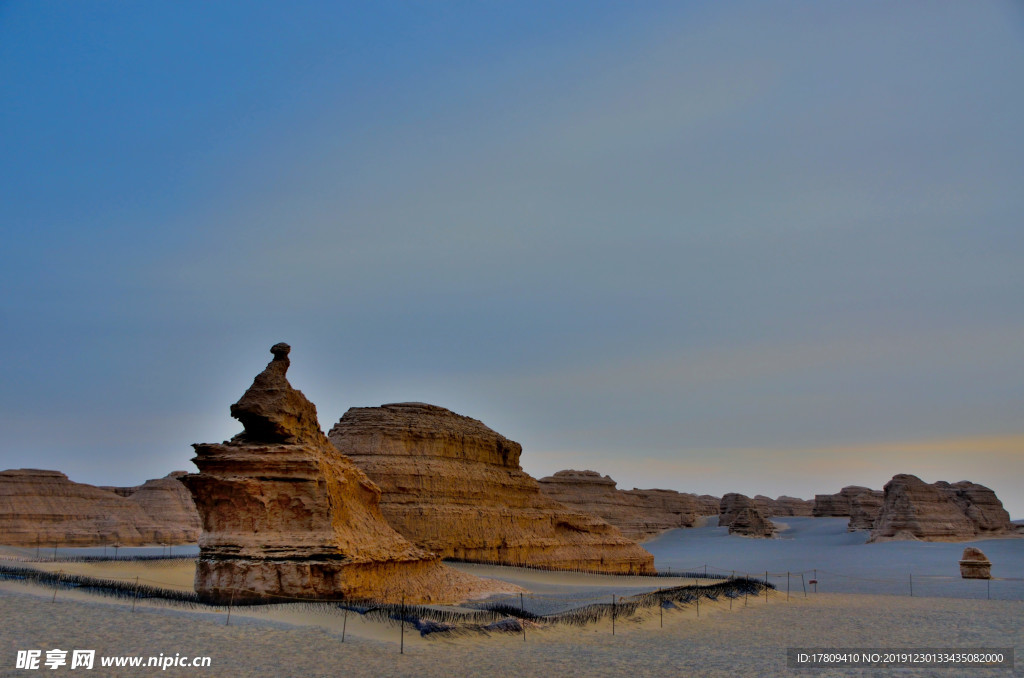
[(739, 513), (837, 505), (45, 508), (639, 514), (286, 516), (864, 509), (783, 506), (453, 486), (914, 509)]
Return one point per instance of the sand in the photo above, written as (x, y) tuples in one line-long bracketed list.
[(747, 640)]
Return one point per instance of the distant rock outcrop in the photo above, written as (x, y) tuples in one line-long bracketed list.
[(783, 506), (286, 516), (838, 505), (974, 564), (639, 514), (864, 509), (914, 509), (739, 513), (454, 486), (45, 508)]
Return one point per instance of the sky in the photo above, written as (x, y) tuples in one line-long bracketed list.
[(761, 247)]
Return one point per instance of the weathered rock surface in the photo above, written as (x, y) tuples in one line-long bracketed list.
[(974, 564), (783, 506), (739, 513), (837, 505), (286, 516), (914, 509), (708, 505), (864, 509), (45, 508), (454, 486), (639, 514)]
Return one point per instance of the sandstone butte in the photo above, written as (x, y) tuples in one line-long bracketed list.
[(286, 516), (739, 513), (962, 511), (783, 506), (639, 514), (45, 508), (455, 487)]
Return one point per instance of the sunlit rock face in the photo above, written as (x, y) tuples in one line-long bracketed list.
[(639, 514), (739, 513), (286, 516), (838, 505), (974, 564), (962, 511), (44, 508), (454, 487)]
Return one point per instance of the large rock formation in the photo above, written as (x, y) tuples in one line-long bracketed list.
[(783, 506), (708, 505), (453, 486), (286, 516), (739, 513), (45, 508), (974, 564), (639, 514), (914, 509), (838, 505)]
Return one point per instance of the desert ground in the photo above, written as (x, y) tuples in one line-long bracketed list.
[(744, 637)]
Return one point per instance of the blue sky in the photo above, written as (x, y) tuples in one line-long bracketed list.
[(761, 247)]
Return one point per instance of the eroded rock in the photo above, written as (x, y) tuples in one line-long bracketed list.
[(974, 564), (285, 516), (914, 509), (45, 508), (739, 513), (455, 487)]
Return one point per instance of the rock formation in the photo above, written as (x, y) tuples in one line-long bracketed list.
[(286, 516), (974, 564), (739, 513), (639, 514), (45, 508), (453, 486), (708, 505), (864, 509), (914, 509), (783, 506), (837, 505)]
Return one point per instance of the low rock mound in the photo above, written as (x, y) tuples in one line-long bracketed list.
[(783, 506)]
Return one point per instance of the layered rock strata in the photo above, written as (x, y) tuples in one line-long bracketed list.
[(639, 514), (914, 509), (45, 508), (864, 509), (285, 516), (454, 486), (838, 505), (783, 506), (739, 513), (974, 564)]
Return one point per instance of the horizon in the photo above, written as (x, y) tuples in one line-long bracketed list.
[(770, 248)]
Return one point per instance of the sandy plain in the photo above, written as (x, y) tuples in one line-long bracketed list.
[(748, 637)]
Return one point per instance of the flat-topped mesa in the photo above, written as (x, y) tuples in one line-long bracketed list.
[(45, 508), (639, 514), (285, 516), (783, 506), (963, 511), (739, 513), (454, 486), (837, 505)]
